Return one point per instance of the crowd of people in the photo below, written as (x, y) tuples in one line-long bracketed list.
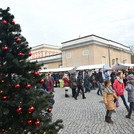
[(110, 84)]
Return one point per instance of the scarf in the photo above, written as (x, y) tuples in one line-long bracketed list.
[(109, 90), (120, 80)]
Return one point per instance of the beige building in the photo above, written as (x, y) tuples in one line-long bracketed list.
[(88, 50), (92, 49), (44, 50)]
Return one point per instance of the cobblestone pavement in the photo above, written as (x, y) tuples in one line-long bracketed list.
[(87, 116)]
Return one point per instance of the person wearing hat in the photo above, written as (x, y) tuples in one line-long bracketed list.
[(80, 86), (130, 89), (66, 84)]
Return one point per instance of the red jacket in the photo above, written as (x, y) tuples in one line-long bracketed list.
[(66, 82), (49, 85), (118, 87)]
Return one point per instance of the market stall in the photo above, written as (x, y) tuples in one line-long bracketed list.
[(120, 66)]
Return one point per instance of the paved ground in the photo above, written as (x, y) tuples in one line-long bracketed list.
[(87, 116)]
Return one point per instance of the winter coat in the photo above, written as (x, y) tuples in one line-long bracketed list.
[(79, 81), (118, 87), (113, 77), (49, 84), (99, 77), (130, 89), (106, 75), (109, 99), (66, 82), (72, 82)]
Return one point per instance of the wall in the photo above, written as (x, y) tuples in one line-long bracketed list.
[(52, 65)]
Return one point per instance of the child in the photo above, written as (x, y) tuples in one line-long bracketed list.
[(109, 95), (130, 89)]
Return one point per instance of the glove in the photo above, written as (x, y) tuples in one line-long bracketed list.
[(106, 104)]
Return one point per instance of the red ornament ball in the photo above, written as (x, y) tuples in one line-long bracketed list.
[(29, 53), (4, 21), (36, 73), (18, 40), (31, 109), (5, 48), (49, 110), (19, 110), (13, 22), (20, 54), (29, 122), (28, 86), (41, 81), (4, 97), (17, 86), (37, 123)]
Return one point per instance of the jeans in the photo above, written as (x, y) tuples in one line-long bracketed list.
[(99, 90), (123, 99), (131, 107)]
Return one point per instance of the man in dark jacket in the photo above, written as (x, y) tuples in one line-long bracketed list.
[(86, 82), (80, 86), (73, 84), (100, 81)]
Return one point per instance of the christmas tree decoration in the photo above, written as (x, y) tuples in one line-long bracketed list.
[(29, 122), (17, 86), (44, 133), (18, 40), (13, 22), (20, 54), (19, 110), (49, 110), (28, 86), (41, 81), (37, 123), (4, 97), (29, 53), (4, 21), (31, 109), (5, 48), (36, 73)]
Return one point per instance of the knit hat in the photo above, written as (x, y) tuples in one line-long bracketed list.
[(130, 77)]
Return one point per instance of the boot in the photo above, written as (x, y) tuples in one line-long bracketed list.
[(110, 120), (128, 116), (66, 95), (127, 107)]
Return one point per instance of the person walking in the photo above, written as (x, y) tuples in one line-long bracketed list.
[(80, 86), (52, 78), (66, 84), (49, 84), (100, 81), (118, 86), (113, 77), (86, 82), (106, 75), (109, 95), (130, 89), (73, 84)]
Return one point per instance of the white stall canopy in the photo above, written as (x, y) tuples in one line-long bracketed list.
[(91, 67), (122, 66), (58, 70)]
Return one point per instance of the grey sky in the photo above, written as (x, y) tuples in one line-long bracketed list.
[(56, 21)]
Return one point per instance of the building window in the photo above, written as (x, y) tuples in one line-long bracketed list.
[(125, 61), (117, 60), (113, 61), (103, 60), (68, 55), (85, 52)]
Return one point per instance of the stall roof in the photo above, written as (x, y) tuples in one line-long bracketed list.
[(57, 70), (90, 67), (122, 66)]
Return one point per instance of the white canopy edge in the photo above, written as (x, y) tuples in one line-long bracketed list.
[(122, 66), (57, 70), (91, 67)]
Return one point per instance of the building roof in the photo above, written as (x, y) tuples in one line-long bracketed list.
[(46, 46), (94, 38)]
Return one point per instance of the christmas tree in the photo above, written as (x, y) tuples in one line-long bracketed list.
[(23, 106)]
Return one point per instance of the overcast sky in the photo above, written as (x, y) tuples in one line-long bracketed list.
[(56, 21)]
